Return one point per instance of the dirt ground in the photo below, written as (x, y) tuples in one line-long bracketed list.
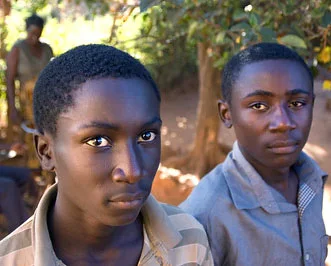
[(178, 113)]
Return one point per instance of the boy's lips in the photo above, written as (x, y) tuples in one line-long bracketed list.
[(128, 200), (283, 146)]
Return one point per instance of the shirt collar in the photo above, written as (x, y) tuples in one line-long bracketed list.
[(157, 224), (249, 191)]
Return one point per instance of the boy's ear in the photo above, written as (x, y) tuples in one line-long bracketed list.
[(43, 146), (224, 113)]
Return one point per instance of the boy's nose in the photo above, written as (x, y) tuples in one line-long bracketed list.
[(128, 168), (281, 120)]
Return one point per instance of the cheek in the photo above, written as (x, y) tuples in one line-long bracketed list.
[(151, 159), (247, 126), (72, 163)]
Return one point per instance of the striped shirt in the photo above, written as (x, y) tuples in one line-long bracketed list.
[(171, 237)]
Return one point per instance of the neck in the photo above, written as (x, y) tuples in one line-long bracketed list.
[(81, 236), (32, 44), (284, 179)]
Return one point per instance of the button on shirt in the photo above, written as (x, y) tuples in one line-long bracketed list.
[(250, 223)]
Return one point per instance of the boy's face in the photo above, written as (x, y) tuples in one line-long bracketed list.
[(271, 112), (107, 150)]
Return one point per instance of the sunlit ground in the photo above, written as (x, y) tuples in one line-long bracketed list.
[(315, 151)]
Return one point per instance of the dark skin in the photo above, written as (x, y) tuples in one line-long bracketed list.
[(105, 154), (32, 39), (271, 112)]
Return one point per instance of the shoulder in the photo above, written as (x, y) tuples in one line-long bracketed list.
[(47, 47), (180, 219), (194, 240), (16, 248), (17, 47), (18, 44), (210, 189)]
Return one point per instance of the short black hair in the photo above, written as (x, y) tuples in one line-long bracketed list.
[(255, 53), (53, 92), (34, 20)]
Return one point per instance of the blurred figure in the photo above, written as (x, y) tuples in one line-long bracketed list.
[(24, 63), (14, 181), (11, 203)]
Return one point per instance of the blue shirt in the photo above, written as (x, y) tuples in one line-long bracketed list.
[(250, 223)]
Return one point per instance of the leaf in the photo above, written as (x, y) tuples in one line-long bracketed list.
[(326, 19), (192, 29), (267, 35), (254, 19), (220, 62), (242, 26), (324, 56), (220, 37), (145, 4), (293, 40), (239, 15)]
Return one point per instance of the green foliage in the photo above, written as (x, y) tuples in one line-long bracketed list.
[(168, 57), (229, 26), (293, 40)]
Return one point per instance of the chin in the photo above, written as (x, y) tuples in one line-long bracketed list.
[(122, 220), (284, 161)]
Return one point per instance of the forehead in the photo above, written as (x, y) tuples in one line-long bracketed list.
[(276, 75), (119, 101), (33, 27)]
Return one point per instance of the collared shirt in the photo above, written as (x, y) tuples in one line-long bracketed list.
[(171, 237), (250, 223)]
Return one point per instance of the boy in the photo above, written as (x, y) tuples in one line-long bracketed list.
[(97, 111), (262, 205)]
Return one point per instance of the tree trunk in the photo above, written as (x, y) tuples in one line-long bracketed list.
[(206, 152)]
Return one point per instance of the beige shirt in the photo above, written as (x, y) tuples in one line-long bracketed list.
[(171, 237)]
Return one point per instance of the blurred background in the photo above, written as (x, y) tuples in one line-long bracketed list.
[(185, 45)]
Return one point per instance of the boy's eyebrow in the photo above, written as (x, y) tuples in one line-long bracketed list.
[(98, 124), (259, 93), (155, 120), (270, 94), (297, 91)]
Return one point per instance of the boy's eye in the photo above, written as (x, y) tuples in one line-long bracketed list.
[(296, 104), (147, 136), (98, 142), (259, 106)]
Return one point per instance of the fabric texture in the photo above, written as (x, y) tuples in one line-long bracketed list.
[(250, 223), (171, 237)]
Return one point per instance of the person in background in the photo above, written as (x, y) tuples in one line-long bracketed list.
[(14, 182), (263, 204), (24, 63)]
